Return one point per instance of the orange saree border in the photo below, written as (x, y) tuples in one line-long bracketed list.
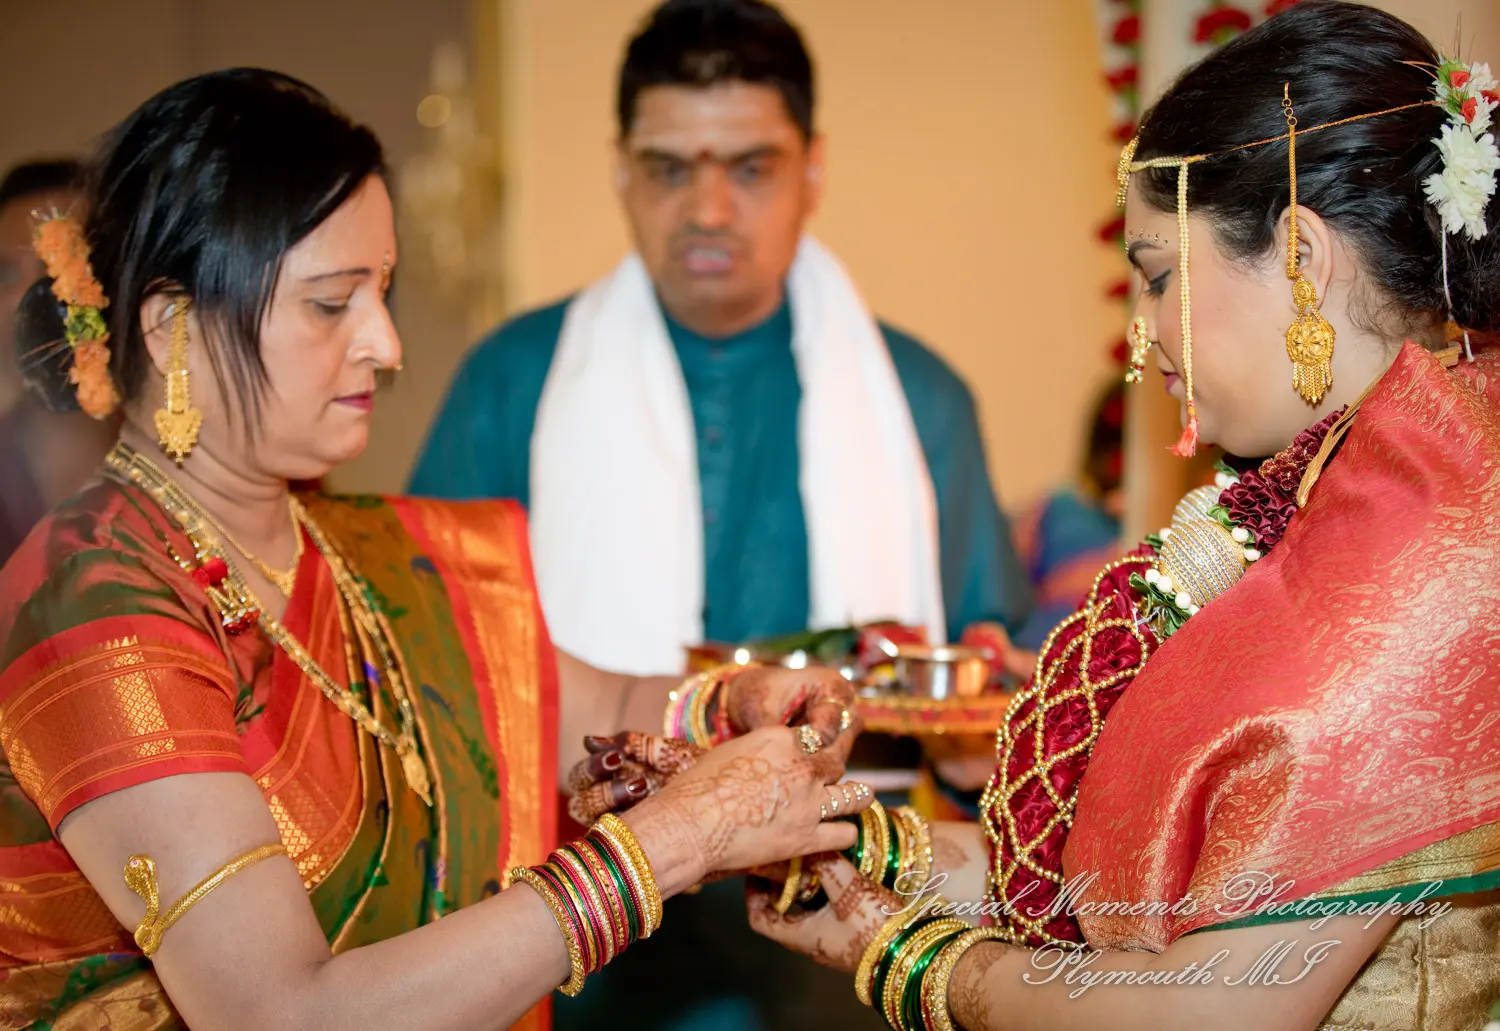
[(303, 752), (492, 589), (122, 699)]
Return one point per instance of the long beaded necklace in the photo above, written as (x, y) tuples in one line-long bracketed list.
[(213, 570)]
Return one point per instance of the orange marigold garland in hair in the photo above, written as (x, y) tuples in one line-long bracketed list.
[(59, 242)]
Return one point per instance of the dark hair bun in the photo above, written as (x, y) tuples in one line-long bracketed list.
[(42, 349)]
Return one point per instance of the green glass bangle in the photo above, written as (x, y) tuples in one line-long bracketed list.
[(883, 967), (620, 886), (911, 994), (856, 852)]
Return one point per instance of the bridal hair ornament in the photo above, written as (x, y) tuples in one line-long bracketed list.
[(1460, 193), (59, 242), (1462, 190)]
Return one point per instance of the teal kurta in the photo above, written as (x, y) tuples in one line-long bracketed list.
[(744, 394)]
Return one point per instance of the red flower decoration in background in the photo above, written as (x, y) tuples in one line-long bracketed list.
[(1127, 31), (1120, 353), (1112, 414), (1124, 132), (1470, 109), (1120, 290), (1221, 25), (1112, 230), (1124, 78), (1458, 78), (1492, 96), (1275, 7)]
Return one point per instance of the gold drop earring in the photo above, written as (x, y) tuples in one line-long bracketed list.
[(1140, 344), (1309, 340), (177, 424)]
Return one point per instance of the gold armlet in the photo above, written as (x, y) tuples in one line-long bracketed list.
[(140, 875)]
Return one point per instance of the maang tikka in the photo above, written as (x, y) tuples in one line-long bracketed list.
[(177, 424), (1309, 340)]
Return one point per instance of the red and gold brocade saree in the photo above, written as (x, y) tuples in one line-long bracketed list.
[(1333, 721), (114, 670)]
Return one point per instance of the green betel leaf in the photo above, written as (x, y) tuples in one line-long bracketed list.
[(1224, 467), (1154, 540)]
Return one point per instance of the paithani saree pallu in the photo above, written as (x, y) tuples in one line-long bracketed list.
[(1333, 721), (115, 670)]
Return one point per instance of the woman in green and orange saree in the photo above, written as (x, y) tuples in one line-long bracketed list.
[(255, 743), (1255, 782)]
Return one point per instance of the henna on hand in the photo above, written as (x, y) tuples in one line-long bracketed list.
[(968, 1001)]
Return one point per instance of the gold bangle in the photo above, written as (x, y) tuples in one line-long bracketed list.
[(935, 983), (880, 825), (792, 887), (868, 820), (593, 948), (140, 875), (864, 976), (617, 831), (919, 835), (577, 971), (604, 929), (905, 960)]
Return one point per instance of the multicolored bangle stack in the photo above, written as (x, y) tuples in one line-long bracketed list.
[(894, 848), (601, 892), (691, 711), (904, 974)]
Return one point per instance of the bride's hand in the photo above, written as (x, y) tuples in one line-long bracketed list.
[(764, 696), (757, 800), (835, 935)]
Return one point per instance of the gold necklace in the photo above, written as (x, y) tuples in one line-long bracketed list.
[(238, 608), (286, 581)]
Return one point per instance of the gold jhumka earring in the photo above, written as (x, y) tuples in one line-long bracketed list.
[(1302, 289), (1140, 345), (177, 424), (1309, 340)]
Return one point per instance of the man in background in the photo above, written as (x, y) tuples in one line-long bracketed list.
[(719, 442), (44, 456)]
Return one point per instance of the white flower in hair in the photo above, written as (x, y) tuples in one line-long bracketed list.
[(1462, 191)]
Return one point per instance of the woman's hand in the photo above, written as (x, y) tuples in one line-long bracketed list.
[(757, 800), (837, 934), (767, 696), (624, 770)]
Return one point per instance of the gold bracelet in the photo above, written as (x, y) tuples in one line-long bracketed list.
[(880, 824), (935, 983), (868, 821), (919, 834), (577, 970), (905, 960), (616, 830), (140, 875), (864, 976), (594, 908), (792, 887)]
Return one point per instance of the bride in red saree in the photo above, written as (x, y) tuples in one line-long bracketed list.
[(340, 718), (1255, 782)]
